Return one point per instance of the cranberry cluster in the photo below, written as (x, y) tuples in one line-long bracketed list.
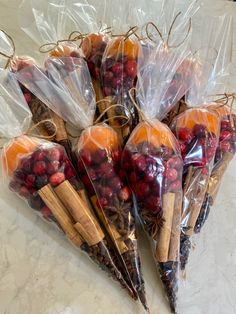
[(94, 60), (151, 172), (118, 76), (45, 165), (101, 172), (227, 141), (198, 146)]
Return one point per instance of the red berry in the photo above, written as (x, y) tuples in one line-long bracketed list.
[(225, 146), (117, 68), (53, 167), (153, 204), (142, 189), (199, 130), (139, 161), (233, 137), (108, 77), (14, 186), (107, 91), (99, 156), (116, 183), (55, 154), (107, 192), (86, 157), (125, 194), (175, 186), (40, 168), (30, 180), (183, 148), (205, 171), (102, 202), (210, 152), (24, 192), (39, 155), (28, 97), (131, 68), (172, 174), (92, 174), (106, 171), (88, 184), (57, 178), (41, 181), (175, 162), (46, 212), (133, 178), (75, 54), (225, 125), (122, 175), (225, 135), (116, 156), (69, 172), (185, 135), (26, 165), (117, 82)]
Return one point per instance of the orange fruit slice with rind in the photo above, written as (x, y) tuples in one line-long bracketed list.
[(125, 46)]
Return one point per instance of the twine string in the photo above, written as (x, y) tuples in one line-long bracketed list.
[(11, 56)]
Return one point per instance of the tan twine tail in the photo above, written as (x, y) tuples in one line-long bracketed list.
[(35, 126)]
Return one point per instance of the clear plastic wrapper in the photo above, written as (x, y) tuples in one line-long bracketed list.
[(69, 92), (40, 172), (153, 163), (225, 152), (198, 133)]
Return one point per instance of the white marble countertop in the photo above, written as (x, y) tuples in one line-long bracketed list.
[(41, 273)]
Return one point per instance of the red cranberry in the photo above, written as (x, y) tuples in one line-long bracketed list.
[(183, 148), (40, 168), (41, 181), (131, 68), (139, 162), (117, 68), (28, 97), (233, 137), (225, 146), (86, 157), (153, 204), (39, 155), (107, 192), (102, 202), (108, 77), (125, 194), (176, 162), (142, 189), (172, 174), (30, 180), (117, 82), (26, 165), (210, 152), (92, 174), (88, 184), (55, 154), (133, 178), (205, 171), (75, 54), (116, 156), (106, 171), (53, 167), (185, 135), (57, 178), (199, 130), (19, 176), (225, 136), (69, 172), (24, 192), (46, 212), (175, 186), (225, 125), (122, 175), (99, 156), (107, 91), (116, 184)]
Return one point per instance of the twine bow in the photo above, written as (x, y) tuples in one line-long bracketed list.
[(11, 56), (166, 43), (73, 37), (132, 31)]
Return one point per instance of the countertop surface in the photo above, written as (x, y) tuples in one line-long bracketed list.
[(41, 273)]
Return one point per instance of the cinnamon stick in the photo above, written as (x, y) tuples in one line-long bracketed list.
[(173, 254), (59, 212), (114, 234), (86, 224), (61, 133), (163, 244)]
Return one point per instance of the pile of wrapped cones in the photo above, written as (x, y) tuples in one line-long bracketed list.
[(153, 139)]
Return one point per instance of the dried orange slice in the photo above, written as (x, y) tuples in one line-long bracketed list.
[(127, 47)]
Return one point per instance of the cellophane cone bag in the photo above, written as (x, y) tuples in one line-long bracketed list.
[(209, 77), (67, 89), (224, 154), (41, 173), (197, 130), (153, 163)]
